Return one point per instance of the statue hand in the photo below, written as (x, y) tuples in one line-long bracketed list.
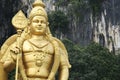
[(15, 50)]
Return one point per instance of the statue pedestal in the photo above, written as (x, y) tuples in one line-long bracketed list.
[(3, 74)]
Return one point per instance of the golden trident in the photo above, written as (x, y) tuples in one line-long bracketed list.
[(20, 22)]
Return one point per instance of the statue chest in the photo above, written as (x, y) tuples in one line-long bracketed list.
[(40, 46), (37, 54)]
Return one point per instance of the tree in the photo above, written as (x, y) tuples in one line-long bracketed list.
[(92, 62), (58, 23)]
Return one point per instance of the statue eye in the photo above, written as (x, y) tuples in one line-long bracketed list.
[(36, 21), (43, 21)]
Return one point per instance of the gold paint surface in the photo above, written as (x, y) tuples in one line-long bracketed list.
[(35, 52)]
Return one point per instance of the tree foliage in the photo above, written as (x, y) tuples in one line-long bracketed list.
[(58, 22), (93, 62), (96, 6), (79, 7)]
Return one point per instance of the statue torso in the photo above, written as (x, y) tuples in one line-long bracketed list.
[(37, 57)]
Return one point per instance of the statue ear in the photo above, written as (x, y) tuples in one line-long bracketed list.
[(47, 23)]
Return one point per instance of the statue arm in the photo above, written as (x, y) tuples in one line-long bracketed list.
[(64, 68), (64, 73), (8, 59), (9, 65), (3, 74)]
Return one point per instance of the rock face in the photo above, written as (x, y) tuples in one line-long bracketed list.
[(107, 31), (7, 11), (104, 31)]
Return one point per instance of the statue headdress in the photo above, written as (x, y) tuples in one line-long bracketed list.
[(38, 10)]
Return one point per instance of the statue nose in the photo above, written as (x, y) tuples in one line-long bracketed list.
[(39, 23)]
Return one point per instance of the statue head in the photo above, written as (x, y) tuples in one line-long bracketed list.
[(38, 11)]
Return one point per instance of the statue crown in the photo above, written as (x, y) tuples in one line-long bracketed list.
[(38, 3), (38, 9)]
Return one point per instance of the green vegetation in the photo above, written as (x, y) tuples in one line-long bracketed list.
[(58, 22), (78, 6), (96, 6), (92, 62)]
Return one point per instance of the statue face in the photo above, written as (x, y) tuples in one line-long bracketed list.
[(38, 25)]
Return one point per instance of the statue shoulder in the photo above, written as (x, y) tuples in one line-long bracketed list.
[(60, 43), (26, 43), (26, 46), (8, 43)]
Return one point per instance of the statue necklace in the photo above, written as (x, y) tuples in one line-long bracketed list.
[(38, 44), (39, 54)]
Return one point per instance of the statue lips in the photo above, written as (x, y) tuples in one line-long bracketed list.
[(39, 27)]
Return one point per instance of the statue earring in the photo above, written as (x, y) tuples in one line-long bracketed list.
[(47, 23)]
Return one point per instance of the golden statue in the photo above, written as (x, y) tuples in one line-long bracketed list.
[(33, 51)]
